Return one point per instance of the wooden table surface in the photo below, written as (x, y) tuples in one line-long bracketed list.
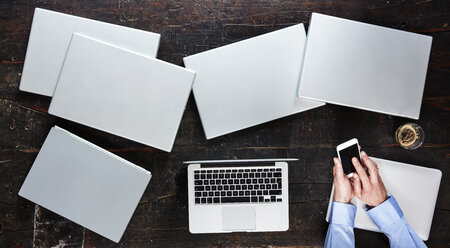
[(188, 27)]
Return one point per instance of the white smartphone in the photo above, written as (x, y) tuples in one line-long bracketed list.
[(346, 151)]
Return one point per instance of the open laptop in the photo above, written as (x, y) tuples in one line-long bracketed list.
[(238, 195), (414, 187)]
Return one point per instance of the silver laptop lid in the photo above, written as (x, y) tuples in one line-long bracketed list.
[(85, 184)]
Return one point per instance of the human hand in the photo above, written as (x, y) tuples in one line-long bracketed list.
[(343, 190), (368, 188)]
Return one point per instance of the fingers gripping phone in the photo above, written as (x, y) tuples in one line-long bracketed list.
[(346, 151)]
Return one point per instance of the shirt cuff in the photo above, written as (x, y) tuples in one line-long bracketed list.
[(385, 214), (343, 214)]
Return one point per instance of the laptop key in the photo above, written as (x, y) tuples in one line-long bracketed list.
[(275, 192), (216, 200), (279, 200), (235, 199), (241, 193), (209, 200), (254, 199), (198, 194), (205, 194), (222, 193), (247, 193), (197, 200), (260, 198), (203, 200), (277, 174), (273, 198), (199, 188), (235, 193), (229, 193), (196, 176)]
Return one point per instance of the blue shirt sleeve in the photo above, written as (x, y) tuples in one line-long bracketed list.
[(340, 231), (389, 218)]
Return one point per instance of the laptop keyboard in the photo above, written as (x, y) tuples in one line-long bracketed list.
[(214, 186)]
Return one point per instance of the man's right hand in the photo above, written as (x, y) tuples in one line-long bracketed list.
[(368, 188)]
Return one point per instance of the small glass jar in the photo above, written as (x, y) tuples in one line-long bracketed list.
[(410, 136)]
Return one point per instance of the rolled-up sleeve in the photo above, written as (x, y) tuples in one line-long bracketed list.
[(389, 218), (340, 231)]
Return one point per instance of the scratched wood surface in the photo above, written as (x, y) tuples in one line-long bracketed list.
[(188, 27)]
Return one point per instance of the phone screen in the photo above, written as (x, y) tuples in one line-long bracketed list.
[(346, 158)]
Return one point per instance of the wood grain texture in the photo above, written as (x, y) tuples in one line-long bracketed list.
[(188, 27)]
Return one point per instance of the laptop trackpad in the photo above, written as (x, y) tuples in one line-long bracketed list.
[(239, 218)]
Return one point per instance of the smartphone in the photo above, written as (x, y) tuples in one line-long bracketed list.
[(346, 151)]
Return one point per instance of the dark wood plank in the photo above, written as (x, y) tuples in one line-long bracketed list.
[(188, 27)]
